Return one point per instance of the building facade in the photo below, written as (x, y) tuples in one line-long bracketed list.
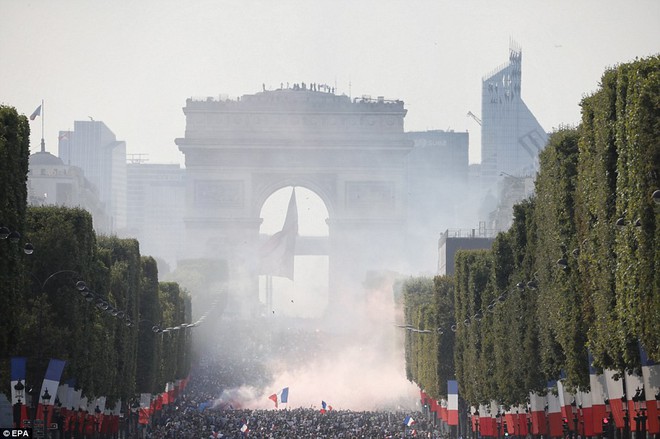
[(155, 208), (51, 182), (94, 148), (350, 152), (439, 194), (511, 137), (453, 240)]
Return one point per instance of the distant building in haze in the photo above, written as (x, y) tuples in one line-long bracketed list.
[(437, 178), (511, 137), (155, 208), (51, 182), (94, 148), (453, 240)]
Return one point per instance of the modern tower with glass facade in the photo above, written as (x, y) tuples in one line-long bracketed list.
[(511, 137)]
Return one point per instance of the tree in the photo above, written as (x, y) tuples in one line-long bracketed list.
[(14, 154)]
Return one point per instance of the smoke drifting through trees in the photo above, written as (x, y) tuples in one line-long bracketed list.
[(353, 362)]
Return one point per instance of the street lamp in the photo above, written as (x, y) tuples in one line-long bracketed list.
[(14, 237), (97, 420), (575, 417), (498, 421), (529, 421), (610, 420), (46, 398), (476, 423), (19, 390), (640, 412), (626, 419)]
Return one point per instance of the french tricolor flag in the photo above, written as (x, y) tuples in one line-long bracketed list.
[(598, 397), (565, 400), (18, 376), (408, 421), (35, 113), (651, 377), (554, 412), (633, 384), (452, 402), (325, 407), (537, 407), (51, 383), (281, 397), (615, 393), (586, 414)]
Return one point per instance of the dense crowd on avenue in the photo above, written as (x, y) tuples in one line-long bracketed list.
[(205, 411)]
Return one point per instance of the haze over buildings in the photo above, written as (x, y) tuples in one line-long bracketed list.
[(136, 74), (372, 123)]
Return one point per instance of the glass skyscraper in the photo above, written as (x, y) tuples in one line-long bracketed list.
[(511, 137)]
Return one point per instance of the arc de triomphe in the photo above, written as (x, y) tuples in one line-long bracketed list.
[(351, 152)]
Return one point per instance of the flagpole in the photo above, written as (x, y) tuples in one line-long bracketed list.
[(269, 293), (43, 143)]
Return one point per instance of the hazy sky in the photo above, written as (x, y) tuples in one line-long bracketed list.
[(133, 64)]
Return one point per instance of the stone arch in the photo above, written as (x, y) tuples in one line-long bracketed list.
[(262, 193), (347, 152)]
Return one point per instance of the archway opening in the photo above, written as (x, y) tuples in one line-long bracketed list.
[(306, 296)]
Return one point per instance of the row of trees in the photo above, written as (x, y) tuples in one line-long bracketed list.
[(577, 274), (45, 314)]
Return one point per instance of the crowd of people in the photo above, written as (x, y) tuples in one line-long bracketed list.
[(208, 409)]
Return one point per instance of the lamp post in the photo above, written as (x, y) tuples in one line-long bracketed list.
[(575, 418), (626, 419), (498, 420), (610, 420), (640, 412), (476, 423), (46, 399), (19, 389), (529, 421), (546, 413), (97, 421), (13, 237), (581, 417)]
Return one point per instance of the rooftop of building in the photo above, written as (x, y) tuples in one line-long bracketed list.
[(301, 96), (44, 158)]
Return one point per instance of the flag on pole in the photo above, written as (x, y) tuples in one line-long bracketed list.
[(537, 407), (281, 397), (452, 402), (277, 254), (615, 393), (586, 413), (51, 384), (598, 397), (651, 377), (554, 412), (408, 421), (52, 380), (325, 407), (35, 113), (566, 399), (634, 384), (17, 374)]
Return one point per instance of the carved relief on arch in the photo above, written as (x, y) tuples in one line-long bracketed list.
[(219, 193)]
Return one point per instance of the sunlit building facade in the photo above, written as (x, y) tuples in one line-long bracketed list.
[(94, 148), (511, 137)]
